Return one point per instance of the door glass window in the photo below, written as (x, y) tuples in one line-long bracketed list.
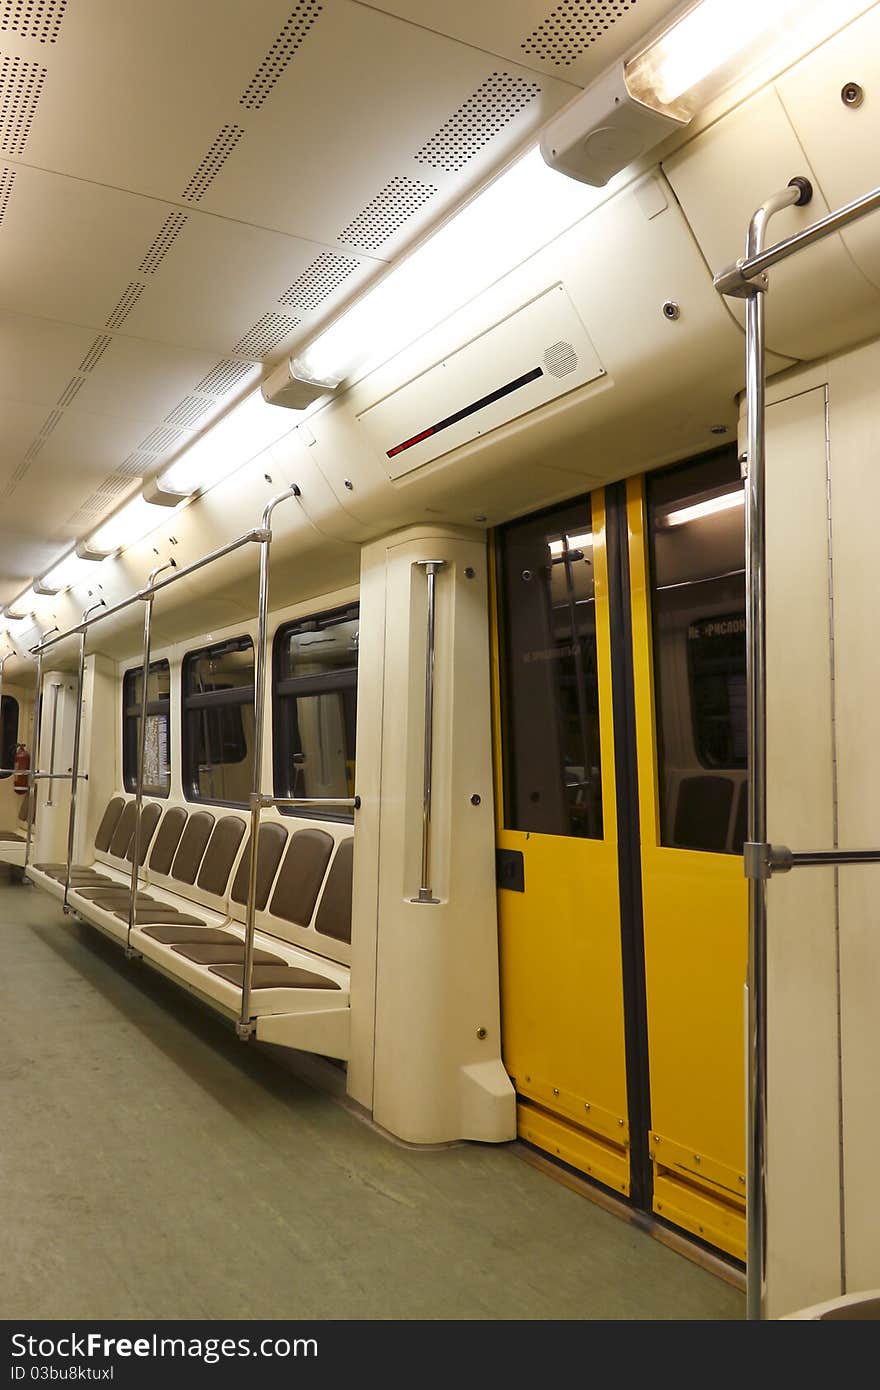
[(697, 540), (8, 732), (550, 689)]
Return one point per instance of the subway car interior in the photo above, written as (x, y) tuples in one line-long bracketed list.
[(439, 743)]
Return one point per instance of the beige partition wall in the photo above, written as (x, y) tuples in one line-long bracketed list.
[(823, 664), (426, 1045)]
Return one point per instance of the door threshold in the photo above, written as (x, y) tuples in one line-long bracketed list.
[(653, 1226)]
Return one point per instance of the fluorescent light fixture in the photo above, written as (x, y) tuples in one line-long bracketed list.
[(234, 439), (22, 607), (134, 521), (636, 104), (584, 541), (511, 219), (67, 572), (725, 502)]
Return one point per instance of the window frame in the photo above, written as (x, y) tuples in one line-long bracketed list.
[(131, 713), (286, 687), (192, 701), (7, 702)]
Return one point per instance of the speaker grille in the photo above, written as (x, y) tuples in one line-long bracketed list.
[(21, 86), (319, 279), (210, 166), (33, 19), (126, 302), (7, 179), (223, 377), (570, 29), (297, 25), (386, 213), (560, 359), (95, 353), (492, 106), (190, 409), (163, 241), (266, 334)]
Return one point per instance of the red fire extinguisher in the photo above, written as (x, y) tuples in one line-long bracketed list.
[(22, 763)]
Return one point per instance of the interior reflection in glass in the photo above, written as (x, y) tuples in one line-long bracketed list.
[(550, 697), (696, 522)]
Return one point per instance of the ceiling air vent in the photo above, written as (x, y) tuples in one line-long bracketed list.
[(223, 377), (213, 162), (124, 305), (319, 279), (32, 19), (495, 103), (160, 439), (7, 179), (386, 213), (266, 334), (163, 241), (95, 353), (191, 408), (560, 359), (297, 25), (134, 466), (32, 452), (73, 386), (21, 86), (571, 27), (50, 422)]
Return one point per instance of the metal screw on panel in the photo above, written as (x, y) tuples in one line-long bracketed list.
[(475, 799), (671, 310), (268, 477), (469, 572), (718, 429), (482, 1033), (481, 517), (620, 1122), (697, 1158), (556, 1090), (349, 484), (586, 1105), (852, 94), (527, 574)]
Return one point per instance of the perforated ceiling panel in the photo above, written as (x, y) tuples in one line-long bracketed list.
[(325, 274), (385, 214), (33, 19), (292, 35), (571, 27), (21, 87), (7, 179), (495, 102)]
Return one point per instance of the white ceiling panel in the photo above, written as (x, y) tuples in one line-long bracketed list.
[(23, 552), (572, 39), (38, 357)]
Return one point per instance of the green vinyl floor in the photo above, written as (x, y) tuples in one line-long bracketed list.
[(154, 1167)]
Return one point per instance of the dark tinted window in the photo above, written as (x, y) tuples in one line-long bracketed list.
[(697, 539), (157, 747), (8, 732), (218, 722), (315, 662), (550, 693)]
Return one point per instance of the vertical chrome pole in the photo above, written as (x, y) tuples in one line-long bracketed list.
[(798, 191), (142, 746), (50, 798), (245, 1027), (74, 771), (35, 753), (425, 895)]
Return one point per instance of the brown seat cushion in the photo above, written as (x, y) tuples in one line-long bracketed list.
[(220, 855), (192, 847), (109, 821), (334, 913), (167, 839), (273, 838), (301, 876), (275, 977), (9, 835), (231, 954), (146, 915), (84, 877), (124, 830), (174, 934), (107, 897), (150, 813)]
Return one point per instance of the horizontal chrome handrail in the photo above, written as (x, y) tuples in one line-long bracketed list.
[(353, 801), (764, 860)]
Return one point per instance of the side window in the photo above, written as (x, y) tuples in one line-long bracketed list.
[(157, 746), (550, 685), (697, 540), (8, 732), (218, 722), (315, 706)]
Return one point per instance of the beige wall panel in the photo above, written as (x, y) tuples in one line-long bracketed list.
[(855, 436), (803, 1219)]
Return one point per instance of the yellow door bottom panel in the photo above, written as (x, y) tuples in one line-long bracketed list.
[(607, 1163), (712, 1218), (572, 1108), (696, 1167)]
